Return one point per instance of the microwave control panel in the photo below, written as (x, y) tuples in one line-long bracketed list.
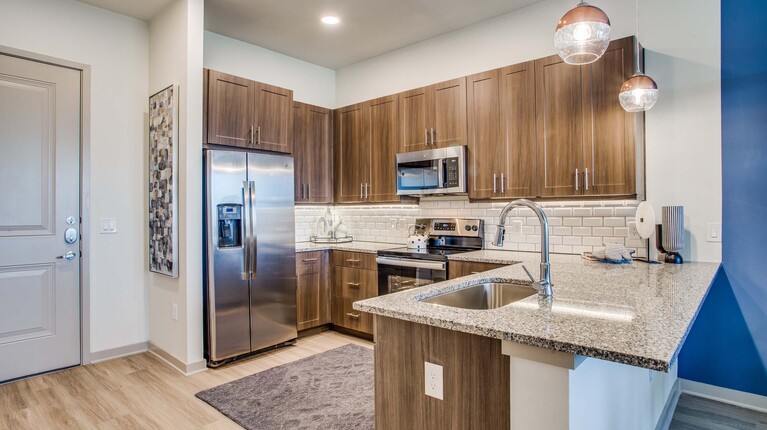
[(452, 173)]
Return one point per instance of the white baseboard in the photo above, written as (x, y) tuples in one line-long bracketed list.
[(122, 351), (725, 395), (185, 369)]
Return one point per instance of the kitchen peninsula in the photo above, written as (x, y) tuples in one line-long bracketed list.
[(600, 355)]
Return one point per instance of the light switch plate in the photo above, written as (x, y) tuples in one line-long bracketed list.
[(108, 225), (433, 379), (713, 232)]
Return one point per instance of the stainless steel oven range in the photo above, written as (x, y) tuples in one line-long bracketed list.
[(403, 268)]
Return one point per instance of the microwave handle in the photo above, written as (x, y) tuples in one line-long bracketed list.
[(442, 178)]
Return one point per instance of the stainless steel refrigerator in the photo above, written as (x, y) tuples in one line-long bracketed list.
[(250, 263)]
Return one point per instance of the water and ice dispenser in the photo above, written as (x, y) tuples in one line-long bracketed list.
[(229, 225)]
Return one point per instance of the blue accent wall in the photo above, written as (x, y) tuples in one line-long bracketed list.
[(727, 345)]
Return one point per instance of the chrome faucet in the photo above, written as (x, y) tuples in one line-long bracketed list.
[(543, 285)]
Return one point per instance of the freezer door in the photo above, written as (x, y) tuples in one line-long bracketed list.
[(273, 286), (226, 285)]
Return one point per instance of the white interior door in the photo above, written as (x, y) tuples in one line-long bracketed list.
[(39, 217)]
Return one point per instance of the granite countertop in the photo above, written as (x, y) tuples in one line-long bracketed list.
[(368, 247), (637, 314)]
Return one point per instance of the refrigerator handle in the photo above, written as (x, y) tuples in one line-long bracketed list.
[(246, 232), (253, 227)]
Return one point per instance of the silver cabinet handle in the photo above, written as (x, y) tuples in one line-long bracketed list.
[(426, 136), (250, 141), (433, 137), (349, 260), (309, 260), (586, 178), (475, 273), (351, 315), (353, 284), (258, 135), (495, 180), (367, 194), (307, 192), (576, 179), (502, 186), (69, 256)]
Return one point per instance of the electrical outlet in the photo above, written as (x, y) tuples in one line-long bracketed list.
[(174, 312), (713, 232), (394, 223), (433, 379), (514, 228), (108, 226), (633, 232)]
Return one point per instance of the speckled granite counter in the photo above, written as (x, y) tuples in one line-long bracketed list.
[(637, 314), (369, 247)]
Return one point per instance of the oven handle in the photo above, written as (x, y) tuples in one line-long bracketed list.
[(418, 264)]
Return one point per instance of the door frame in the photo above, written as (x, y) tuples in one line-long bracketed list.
[(85, 173)]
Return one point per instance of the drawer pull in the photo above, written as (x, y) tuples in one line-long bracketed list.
[(309, 260), (348, 260), (353, 284), (475, 273), (351, 315)]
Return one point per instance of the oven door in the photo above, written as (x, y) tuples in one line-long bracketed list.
[(398, 274)]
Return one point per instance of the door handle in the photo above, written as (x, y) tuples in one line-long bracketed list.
[(426, 136), (258, 135), (69, 256), (586, 179), (250, 141), (353, 284), (495, 181), (502, 185), (307, 192), (366, 191), (245, 232), (253, 227), (576, 179), (351, 315), (433, 137)]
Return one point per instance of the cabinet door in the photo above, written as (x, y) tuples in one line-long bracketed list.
[(559, 118), (313, 290), (301, 149), (229, 109), (318, 162), (486, 153), (611, 144), (448, 113), (382, 132), (517, 101), (351, 153), (273, 108), (457, 269), (414, 112)]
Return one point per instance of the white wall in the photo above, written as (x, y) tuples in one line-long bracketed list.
[(683, 138), (116, 48), (175, 54), (310, 83)]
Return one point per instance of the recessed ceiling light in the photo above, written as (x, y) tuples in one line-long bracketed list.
[(330, 19)]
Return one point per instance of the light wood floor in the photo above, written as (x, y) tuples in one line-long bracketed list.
[(696, 413), (137, 392)]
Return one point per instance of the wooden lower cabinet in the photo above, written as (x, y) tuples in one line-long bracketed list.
[(355, 277), (475, 378), (456, 269), (312, 290)]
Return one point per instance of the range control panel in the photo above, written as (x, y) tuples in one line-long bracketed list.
[(467, 227)]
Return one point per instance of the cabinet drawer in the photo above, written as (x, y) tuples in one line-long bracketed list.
[(456, 269), (355, 284), (345, 316), (360, 260), (309, 262)]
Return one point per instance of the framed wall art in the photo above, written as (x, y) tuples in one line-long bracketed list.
[(163, 182)]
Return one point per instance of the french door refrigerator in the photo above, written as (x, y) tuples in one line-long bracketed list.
[(250, 263)]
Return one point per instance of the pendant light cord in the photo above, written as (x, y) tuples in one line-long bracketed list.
[(637, 70)]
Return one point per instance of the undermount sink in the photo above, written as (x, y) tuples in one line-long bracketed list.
[(488, 295)]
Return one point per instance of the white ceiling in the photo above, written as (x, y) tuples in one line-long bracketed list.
[(141, 9), (368, 27)]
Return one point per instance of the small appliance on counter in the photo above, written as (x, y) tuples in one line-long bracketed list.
[(417, 239), (330, 231), (669, 236), (405, 268)]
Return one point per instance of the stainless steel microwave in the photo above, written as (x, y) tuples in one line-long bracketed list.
[(433, 171)]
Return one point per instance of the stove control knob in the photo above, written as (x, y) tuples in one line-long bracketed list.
[(468, 228), (474, 227)]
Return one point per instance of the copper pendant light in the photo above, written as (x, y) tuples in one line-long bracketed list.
[(582, 35), (640, 92)]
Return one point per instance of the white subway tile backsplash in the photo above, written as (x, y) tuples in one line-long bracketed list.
[(582, 211), (603, 211), (592, 222), (563, 211), (571, 240), (592, 241), (563, 231), (572, 222), (602, 231), (625, 211), (614, 222), (581, 231)]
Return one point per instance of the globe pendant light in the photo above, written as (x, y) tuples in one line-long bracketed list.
[(640, 92), (582, 35)]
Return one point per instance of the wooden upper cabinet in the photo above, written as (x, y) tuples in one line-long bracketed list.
[(243, 113), (272, 118), (229, 109), (587, 143), (414, 116), (560, 116), (518, 136), (351, 154), (382, 129), (433, 116), (448, 113), (312, 151), (487, 155), (611, 147)]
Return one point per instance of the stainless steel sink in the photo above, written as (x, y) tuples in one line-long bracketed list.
[(489, 295)]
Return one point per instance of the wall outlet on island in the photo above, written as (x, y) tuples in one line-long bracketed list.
[(433, 379)]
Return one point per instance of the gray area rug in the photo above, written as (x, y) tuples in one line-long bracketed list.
[(330, 390)]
